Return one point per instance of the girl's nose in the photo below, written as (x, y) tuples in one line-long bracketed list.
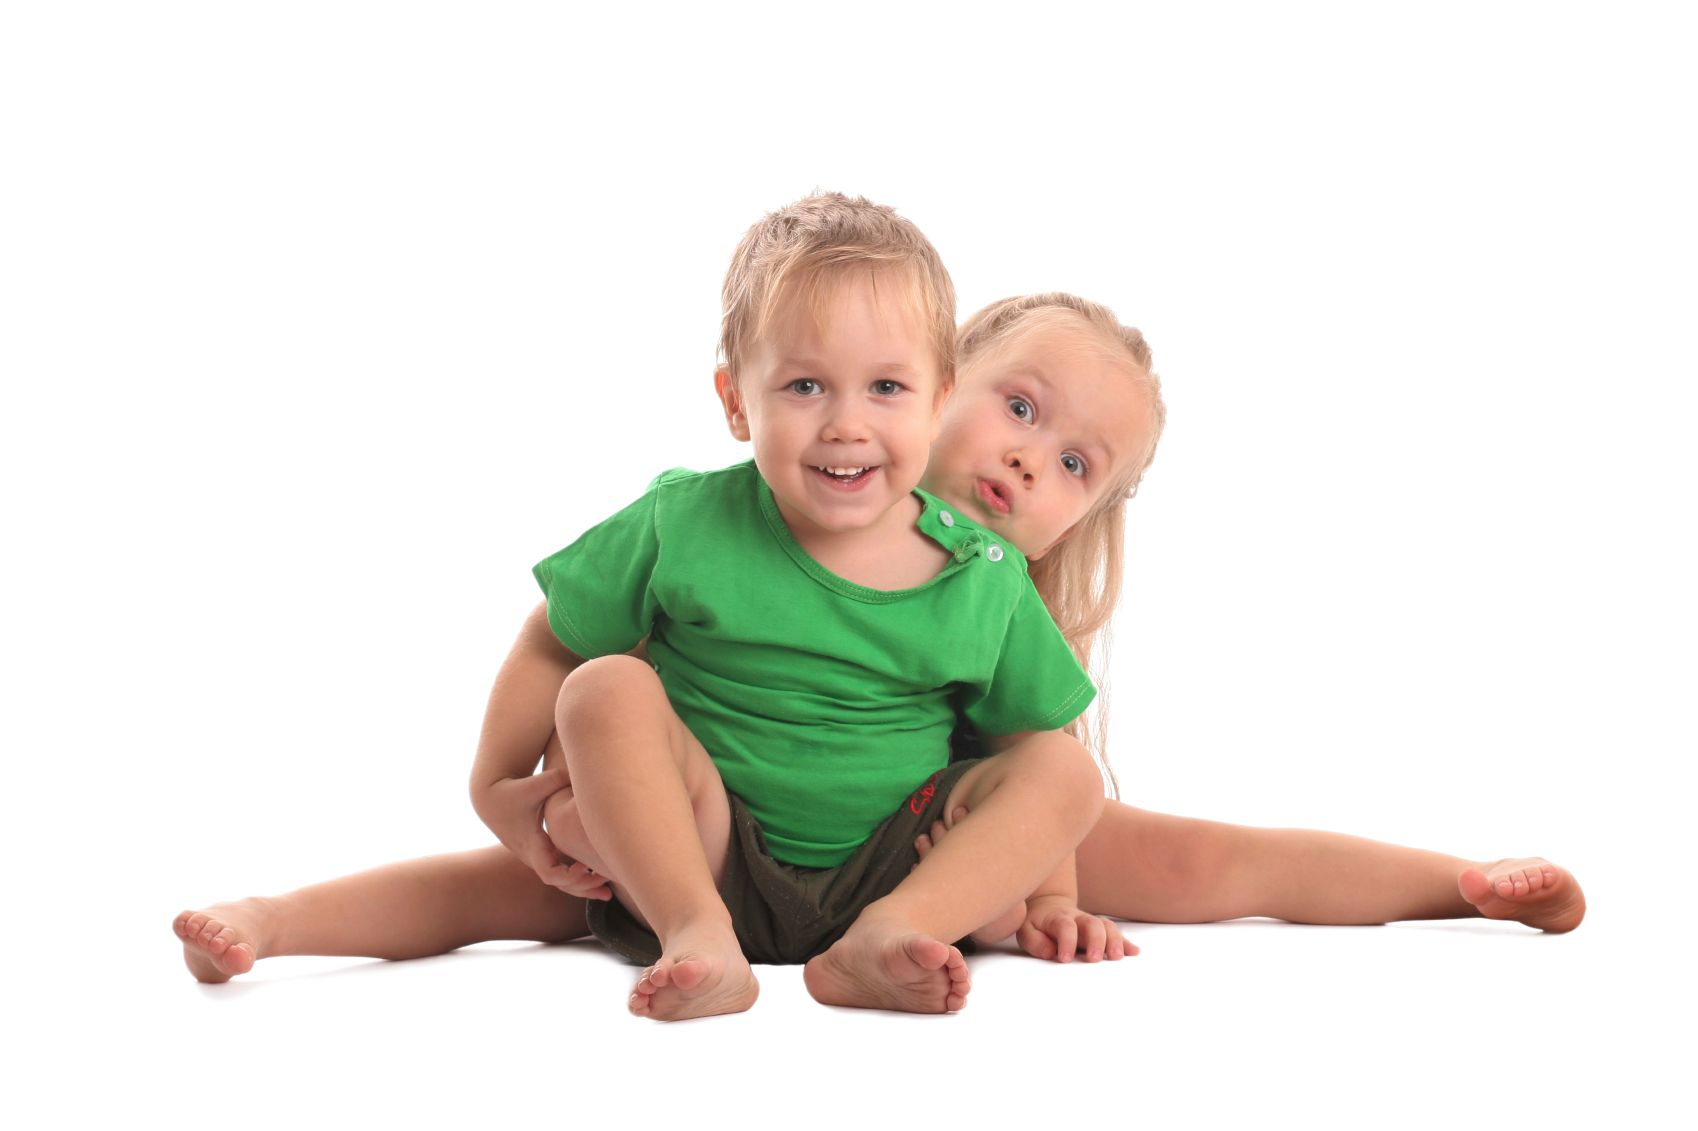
[(1024, 464)]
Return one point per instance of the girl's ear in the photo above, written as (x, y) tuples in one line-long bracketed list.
[(735, 417)]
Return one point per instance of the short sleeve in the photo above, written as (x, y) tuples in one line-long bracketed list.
[(1038, 684), (599, 589)]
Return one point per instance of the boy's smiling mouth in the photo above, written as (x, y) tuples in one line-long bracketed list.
[(849, 477), (995, 495)]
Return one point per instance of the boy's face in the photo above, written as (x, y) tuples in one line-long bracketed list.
[(842, 413), (1035, 435)]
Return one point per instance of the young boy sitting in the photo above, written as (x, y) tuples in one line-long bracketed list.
[(816, 627)]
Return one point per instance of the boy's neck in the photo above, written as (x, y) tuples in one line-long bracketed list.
[(890, 554)]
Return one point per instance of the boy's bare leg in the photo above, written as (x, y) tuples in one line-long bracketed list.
[(406, 910), (1161, 869), (1027, 809), (652, 815), (1004, 925)]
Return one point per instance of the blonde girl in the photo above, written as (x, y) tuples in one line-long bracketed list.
[(1044, 382)]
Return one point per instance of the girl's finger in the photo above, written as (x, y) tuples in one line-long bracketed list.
[(1066, 939), (1035, 942), (1091, 938), (537, 788)]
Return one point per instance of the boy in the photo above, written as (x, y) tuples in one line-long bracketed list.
[(818, 625)]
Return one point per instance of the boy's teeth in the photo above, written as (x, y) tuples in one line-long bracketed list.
[(843, 470)]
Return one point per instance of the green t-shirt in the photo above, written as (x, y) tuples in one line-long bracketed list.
[(823, 703)]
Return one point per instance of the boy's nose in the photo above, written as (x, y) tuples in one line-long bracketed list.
[(845, 422)]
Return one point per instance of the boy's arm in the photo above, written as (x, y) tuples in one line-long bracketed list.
[(516, 729)]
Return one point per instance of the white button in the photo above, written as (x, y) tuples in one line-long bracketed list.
[(946, 518), (994, 553)]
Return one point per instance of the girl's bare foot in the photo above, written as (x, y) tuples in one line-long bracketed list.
[(1531, 891), (698, 976), (881, 966), (224, 940)]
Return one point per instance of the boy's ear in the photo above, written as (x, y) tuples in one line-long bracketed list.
[(735, 418), (940, 399)]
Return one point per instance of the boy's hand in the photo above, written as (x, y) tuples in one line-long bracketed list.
[(1056, 930), (512, 808)]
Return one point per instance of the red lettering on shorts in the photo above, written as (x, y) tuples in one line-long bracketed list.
[(923, 796)]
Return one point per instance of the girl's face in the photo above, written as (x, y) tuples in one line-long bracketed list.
[(1035, 433)]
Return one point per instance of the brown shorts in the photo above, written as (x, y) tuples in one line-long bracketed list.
[(784, 914)]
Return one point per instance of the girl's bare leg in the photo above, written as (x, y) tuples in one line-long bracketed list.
[(407, 910), (1160, 869)]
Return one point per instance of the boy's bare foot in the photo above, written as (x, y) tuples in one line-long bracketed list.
[(1532, 891), (224, 940), (877, 966), (698, 976)]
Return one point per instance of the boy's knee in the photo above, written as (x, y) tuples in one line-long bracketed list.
[(1064, 760), (1055, 762), (602, 684)]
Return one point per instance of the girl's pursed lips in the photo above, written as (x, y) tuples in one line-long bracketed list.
[(995, 494)]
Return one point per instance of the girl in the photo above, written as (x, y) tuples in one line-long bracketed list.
[(1041, 380)]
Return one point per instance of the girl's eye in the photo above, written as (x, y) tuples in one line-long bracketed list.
[(887, 388), (1073, 464), (1021, 408), (804, 386)]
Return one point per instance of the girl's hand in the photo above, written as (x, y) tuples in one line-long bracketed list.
[(1056, 930), (512, 808)]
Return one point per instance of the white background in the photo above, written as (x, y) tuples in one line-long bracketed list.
[(320, 323)]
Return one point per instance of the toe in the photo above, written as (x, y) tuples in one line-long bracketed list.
[(239, 959), (1473, 885)]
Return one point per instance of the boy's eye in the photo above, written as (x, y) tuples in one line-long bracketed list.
[(804, 386), (1021, 408), (887, 388), (1073, 464)]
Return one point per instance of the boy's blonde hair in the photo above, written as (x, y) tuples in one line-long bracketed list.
[(803, 252), (1080, 577)]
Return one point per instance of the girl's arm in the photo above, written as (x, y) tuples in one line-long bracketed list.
[(517, 725)]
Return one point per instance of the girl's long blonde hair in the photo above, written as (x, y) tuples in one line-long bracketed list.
[(1080, 578)]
